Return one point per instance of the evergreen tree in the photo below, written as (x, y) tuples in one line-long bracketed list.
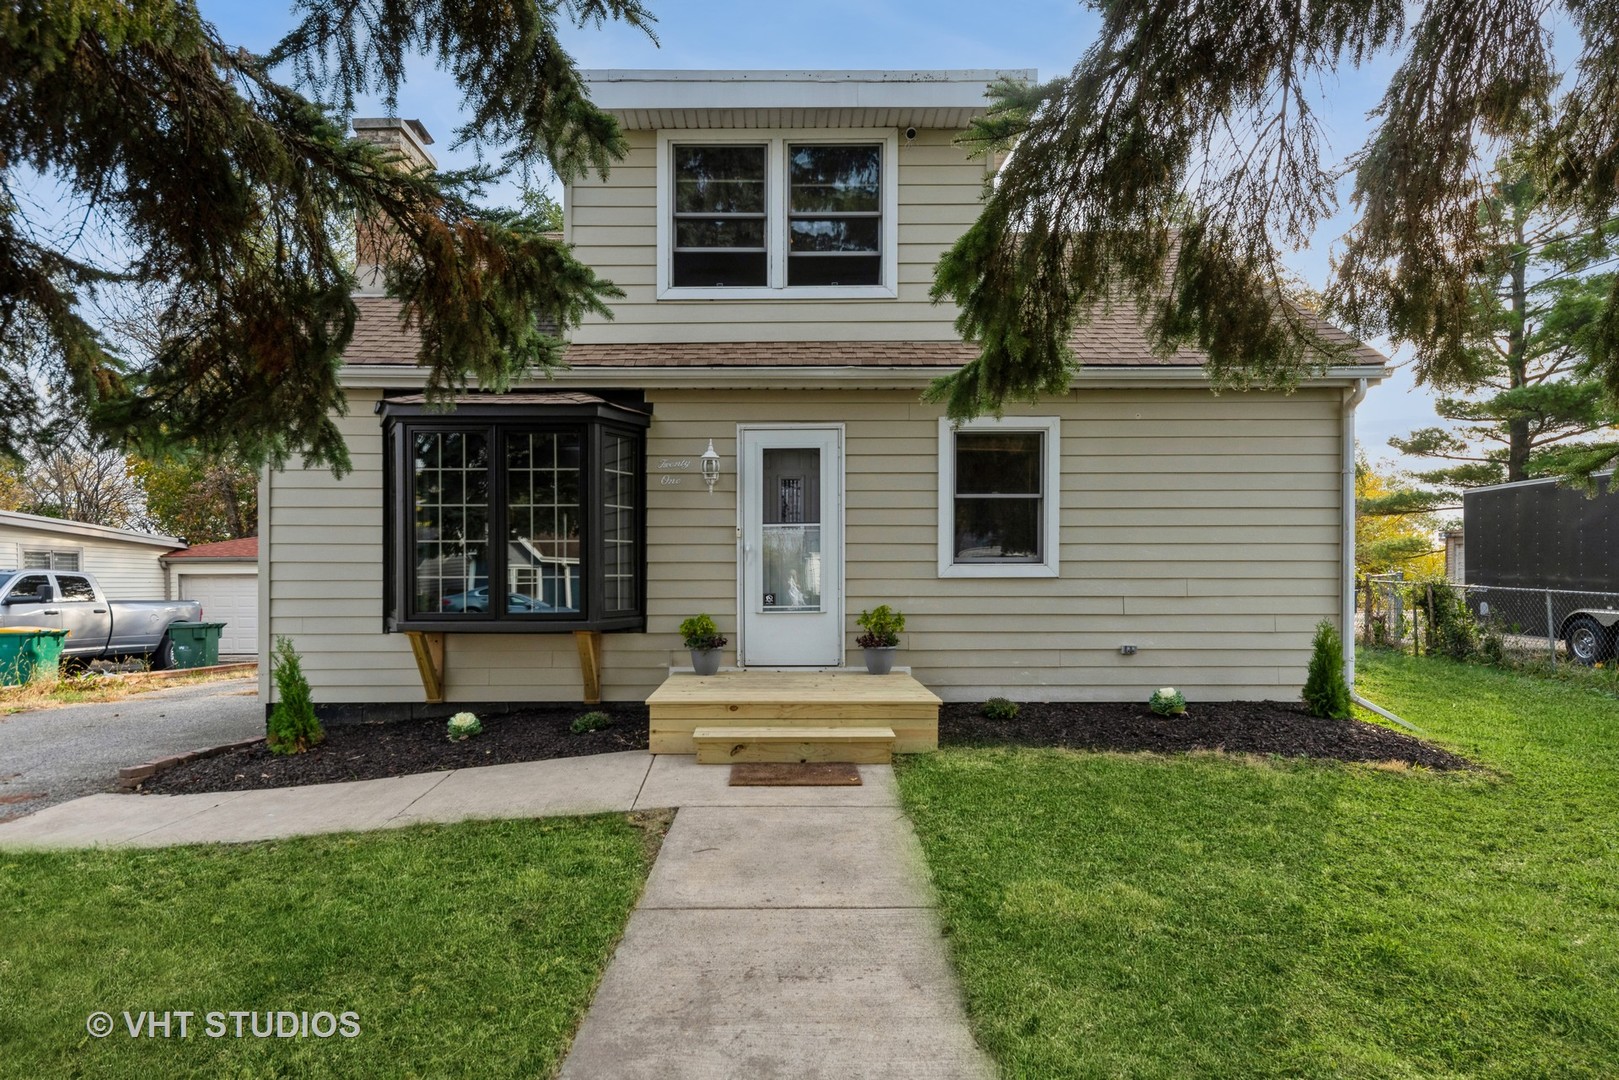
[(292, 726), (1184, 152), (227, 186), (1527, 395), (1326, 691)]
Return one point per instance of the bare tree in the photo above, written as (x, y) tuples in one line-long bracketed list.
[(80, 481)]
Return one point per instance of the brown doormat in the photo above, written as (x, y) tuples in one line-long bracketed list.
[(794, 774)]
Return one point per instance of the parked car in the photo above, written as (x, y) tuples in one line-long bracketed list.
[(478, 600), (97, 627)]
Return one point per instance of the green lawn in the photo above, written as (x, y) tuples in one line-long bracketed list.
[(465, 950), (1119, 915)]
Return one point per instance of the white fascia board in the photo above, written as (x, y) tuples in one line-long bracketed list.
[(402, 377), (85, 529), (623, 89)]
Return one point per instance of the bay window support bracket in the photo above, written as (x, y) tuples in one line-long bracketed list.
[(428, 648), (589, 643)]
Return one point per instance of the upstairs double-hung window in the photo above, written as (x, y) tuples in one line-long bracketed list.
[(720, 217), (834, 215), (781, 216)]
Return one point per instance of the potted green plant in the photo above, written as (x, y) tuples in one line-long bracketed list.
[(703, 638), (882, 626)]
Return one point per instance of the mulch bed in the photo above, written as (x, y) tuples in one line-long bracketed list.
[(1239, 727), (374, 751)]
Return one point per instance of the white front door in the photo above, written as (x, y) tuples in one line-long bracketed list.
[(791, 480)]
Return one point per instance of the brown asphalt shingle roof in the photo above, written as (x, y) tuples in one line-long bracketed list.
[(224, 549), (1113, 338)]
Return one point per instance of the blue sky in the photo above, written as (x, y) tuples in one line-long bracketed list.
[(1048, 35)]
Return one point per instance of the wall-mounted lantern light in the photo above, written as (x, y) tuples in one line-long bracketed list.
[(711, 467)]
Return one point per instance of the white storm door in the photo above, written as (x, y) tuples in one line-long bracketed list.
[(791, 479)]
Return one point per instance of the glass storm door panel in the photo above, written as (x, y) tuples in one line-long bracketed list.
[(792, 538)]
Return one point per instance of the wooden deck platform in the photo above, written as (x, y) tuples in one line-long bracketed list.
[(787, 700)]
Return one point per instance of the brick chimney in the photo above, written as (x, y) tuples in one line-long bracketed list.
[(409, 140)]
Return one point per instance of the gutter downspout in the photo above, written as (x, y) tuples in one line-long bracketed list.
[(1347, 540), (1347, 546)]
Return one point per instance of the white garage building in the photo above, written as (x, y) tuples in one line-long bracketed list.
[(126, 563), (224, 578)]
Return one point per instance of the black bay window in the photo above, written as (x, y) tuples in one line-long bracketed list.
[(516, 513)]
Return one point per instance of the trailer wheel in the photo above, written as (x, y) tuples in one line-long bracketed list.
[(1588, 641)]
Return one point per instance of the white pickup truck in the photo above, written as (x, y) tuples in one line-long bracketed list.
[(98, 627)]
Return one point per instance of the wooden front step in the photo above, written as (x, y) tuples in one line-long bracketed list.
[(860, 745), (793, 700)]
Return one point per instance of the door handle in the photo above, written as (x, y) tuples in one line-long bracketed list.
[(99, 610), (50, 613)]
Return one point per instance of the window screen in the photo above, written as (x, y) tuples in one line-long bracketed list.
[(51, 560), (834, 215), (719, 216), (999, 503)]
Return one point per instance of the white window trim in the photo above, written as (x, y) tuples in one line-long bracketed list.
[(1051, 472), (775, 141)]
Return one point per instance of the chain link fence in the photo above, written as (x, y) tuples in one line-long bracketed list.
[(1495, 623)]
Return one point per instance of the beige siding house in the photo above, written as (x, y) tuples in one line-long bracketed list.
[(775, 235), (126, 563)]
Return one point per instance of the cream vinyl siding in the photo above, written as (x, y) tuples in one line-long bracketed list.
[(613, 226), (1203, 530), (125, 571)]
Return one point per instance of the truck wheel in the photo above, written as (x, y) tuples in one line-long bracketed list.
[(163, 655), (1588, 640)]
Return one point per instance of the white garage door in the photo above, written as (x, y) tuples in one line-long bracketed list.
[(232, 599)]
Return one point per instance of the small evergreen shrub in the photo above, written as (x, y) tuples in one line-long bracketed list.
[(591, 721), (1325, 691), (999, 708), (882, 626), (701, 632), (293, 727), (463, 726), (1167, 701)]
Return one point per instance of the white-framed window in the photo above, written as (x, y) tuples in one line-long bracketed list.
[(778, 214), (999, 486), (55, 559)]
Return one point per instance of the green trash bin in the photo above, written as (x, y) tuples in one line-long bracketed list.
[(196, 644), (29, 652)]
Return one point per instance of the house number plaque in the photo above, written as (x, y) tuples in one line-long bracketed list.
[(672, 471)]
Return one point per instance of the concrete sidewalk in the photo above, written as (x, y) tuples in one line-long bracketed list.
[(784, 932), (584, 785)]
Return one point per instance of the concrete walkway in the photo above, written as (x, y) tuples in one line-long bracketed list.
[(784, 932)]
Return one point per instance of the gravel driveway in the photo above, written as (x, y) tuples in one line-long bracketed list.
[(52, 755)]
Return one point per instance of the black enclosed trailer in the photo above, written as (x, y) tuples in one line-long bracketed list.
[(1542, 535)]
